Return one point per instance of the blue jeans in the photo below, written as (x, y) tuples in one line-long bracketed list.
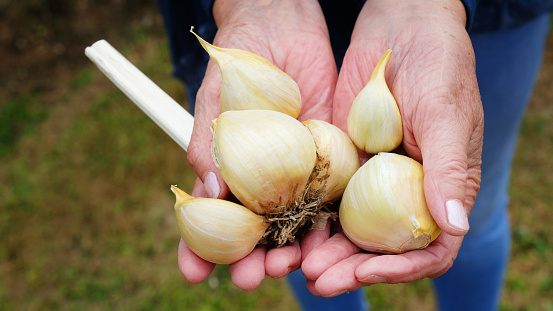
[(507, 63)]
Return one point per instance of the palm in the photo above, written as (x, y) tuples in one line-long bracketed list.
[(298, 45), (431, 75), (295, 39)]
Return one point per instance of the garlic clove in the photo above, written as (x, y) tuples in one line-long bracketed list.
[(337, 159), (216, 230), (374, 121), (252, 82), (383, 208), (264, 156)]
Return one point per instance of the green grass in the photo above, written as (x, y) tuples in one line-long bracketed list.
[(18, 117), (530, 278), (86, 220), (86, 216)]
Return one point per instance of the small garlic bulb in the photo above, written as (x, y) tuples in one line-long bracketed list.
[(216, 230), (252, 82), (337, 158), (264, 156), (374, 122), (383, 208)]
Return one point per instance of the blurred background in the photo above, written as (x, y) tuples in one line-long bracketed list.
[(86, 214)]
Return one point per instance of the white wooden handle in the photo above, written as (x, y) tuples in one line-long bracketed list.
[(159, 106)]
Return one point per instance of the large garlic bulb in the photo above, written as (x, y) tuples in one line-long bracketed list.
[(265, 157), (383, 208), (252, 82), (374, 122), (337, 159), (216, 230)]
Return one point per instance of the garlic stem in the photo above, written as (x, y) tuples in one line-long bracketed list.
[(169, 115)]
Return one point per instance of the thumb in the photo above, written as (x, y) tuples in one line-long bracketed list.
[(451, 150), (199, 149)]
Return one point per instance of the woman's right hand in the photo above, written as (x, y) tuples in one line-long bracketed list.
[(292, 35)]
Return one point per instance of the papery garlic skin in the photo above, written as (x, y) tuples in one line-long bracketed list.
[(216, 230), (252, 82), (383, 208), (265, 157), (374, 121), (337, 153)]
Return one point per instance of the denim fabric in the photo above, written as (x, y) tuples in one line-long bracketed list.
[(352, 301), (188, 57), (507, 64)]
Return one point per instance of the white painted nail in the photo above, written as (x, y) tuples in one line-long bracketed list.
[(211, 185), (457, 215)]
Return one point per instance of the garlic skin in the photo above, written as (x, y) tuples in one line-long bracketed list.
[(264, 156), (252, 82), (216, 230), (337, 158), (384, 209), (374, 121)]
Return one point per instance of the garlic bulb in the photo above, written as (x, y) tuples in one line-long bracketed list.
[(374, 122), (216, 230), (337, 159), (252, 82), (383, 208), (265, 157)]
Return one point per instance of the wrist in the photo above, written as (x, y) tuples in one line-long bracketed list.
[(221, 9), (270, 15), (420, 10)]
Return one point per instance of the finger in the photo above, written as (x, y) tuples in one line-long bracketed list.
[(193, 268), (341, 277), (445, 146), (199, 189), (310, 284), (283, 260), (334, 250), (314, 239), (199, 149), (429, 262), (248, 272)]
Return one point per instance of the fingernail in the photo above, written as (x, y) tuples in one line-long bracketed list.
[(211, 185), (340, 292), (285, 273), (373, 279), (457, 215)]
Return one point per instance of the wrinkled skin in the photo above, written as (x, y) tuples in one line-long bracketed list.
[(432, 76), (280, 32)]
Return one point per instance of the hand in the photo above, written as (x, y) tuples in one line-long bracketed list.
[(293, 35), (432, 76)]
